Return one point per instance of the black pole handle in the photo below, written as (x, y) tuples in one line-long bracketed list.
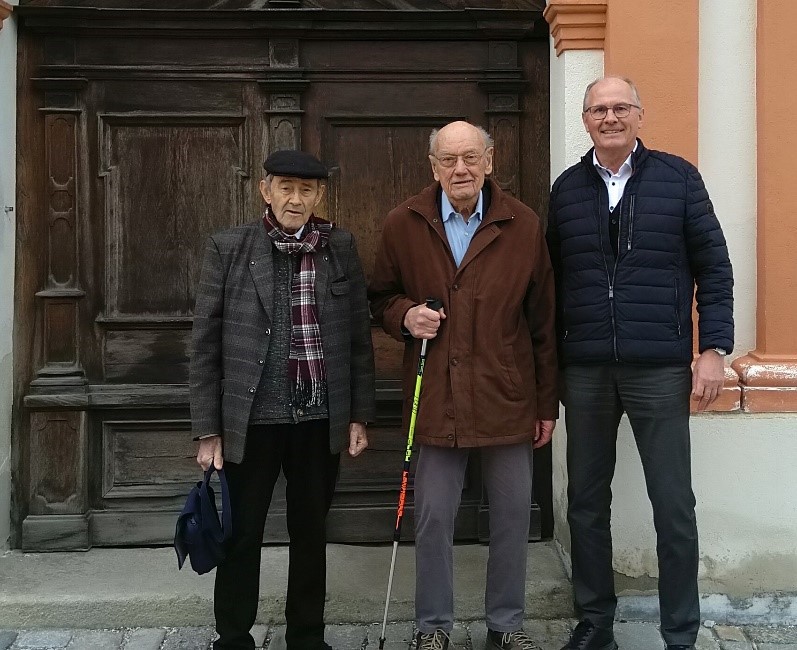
[(434, 303)]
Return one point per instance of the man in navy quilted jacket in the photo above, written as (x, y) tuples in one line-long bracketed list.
[(633, 237)]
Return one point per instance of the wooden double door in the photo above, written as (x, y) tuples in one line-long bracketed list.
[(142, 129)]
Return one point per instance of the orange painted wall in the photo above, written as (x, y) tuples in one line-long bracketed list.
[(776, 53), (655, 43)]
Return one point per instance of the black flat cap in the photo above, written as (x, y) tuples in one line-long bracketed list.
[(297, 164)]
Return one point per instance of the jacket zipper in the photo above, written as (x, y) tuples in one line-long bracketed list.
[(677, 308), (631, 222), (609, 276)]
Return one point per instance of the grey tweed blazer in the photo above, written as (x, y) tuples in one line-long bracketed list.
[(232, 327)]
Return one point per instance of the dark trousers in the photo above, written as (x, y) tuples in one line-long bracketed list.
[(302, 452), (656, 400)]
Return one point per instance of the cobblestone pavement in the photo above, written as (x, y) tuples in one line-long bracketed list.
[(549, 635)]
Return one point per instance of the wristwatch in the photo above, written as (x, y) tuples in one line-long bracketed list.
[(720, 351)]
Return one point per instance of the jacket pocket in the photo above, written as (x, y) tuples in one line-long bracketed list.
[(339, 287), (511, 372)]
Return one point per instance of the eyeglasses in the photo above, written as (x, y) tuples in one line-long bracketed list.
[(600, 112), (470, 159)]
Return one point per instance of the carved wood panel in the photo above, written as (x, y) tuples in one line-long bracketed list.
[(57, 484), (168, 178), (146, 458)]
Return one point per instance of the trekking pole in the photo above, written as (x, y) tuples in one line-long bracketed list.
[(434, 304)]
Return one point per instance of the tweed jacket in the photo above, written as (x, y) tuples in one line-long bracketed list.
[(491, 371), (232, 326)]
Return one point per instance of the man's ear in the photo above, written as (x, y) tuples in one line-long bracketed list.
[(488, 168), (265, 190)]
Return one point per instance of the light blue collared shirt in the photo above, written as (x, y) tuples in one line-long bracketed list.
[(458, 232)]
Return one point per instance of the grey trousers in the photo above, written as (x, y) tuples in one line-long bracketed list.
[(656, 400), (439, 477)]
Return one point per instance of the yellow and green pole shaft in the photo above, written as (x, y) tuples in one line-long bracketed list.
[(434, 304)]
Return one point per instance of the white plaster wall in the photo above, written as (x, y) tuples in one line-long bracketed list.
[(743, 478), (727, 142), (8, 62), (569, 75)]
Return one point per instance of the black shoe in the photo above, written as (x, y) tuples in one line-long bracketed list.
[(680, 647), (517, 640), (437, 640), (587, 636)]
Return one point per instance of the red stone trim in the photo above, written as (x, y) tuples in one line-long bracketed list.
[(5, 11), (577, 24), (768, 383)]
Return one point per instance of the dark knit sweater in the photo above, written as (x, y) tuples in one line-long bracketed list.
[(272, 402)]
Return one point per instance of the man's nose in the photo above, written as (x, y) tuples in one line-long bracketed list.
[(460, 167), (610, 116), (295, 197)]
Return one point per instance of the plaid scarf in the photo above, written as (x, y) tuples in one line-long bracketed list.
[(306, 358)]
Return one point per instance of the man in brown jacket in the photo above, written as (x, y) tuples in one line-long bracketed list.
[(490, 376)]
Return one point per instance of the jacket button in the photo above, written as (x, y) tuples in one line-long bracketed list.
[(450, 436), (299, 412), (268, 331), (450, 413), (456, 287), (261, 361), (454, 362), (252, 262), (251, 389)]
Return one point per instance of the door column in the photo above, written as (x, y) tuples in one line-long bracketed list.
[(769, 372)]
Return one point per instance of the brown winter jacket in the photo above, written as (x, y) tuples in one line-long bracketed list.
[(491, 372)]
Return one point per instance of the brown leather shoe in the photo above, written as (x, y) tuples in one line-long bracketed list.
[(437, 640), (517, 640)]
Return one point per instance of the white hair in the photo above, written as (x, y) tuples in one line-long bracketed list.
[(486, 138), (631, 84)]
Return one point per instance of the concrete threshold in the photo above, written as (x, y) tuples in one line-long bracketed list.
[(142, 587)]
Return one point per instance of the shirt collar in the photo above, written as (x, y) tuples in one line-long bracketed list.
[(298, 233), (626, 167), (447, 209)]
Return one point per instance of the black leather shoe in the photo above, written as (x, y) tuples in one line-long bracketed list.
[(587, 636)]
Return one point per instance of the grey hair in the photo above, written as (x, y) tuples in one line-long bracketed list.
[(631, 84), (487, 139)]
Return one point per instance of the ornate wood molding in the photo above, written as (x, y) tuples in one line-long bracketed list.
[(577, 24), (5, 11)]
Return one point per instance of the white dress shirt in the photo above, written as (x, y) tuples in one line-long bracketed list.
[(615, 183)]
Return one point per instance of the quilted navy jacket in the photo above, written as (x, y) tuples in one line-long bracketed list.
[(636, 307)]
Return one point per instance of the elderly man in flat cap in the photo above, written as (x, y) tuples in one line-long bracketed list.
[(282, 378)]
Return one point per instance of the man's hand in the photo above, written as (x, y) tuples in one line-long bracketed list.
[(423, 322), (210, 452), (358, 440), (543, 432), (708, 376)]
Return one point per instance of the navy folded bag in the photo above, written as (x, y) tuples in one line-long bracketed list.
[(200, 535)]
